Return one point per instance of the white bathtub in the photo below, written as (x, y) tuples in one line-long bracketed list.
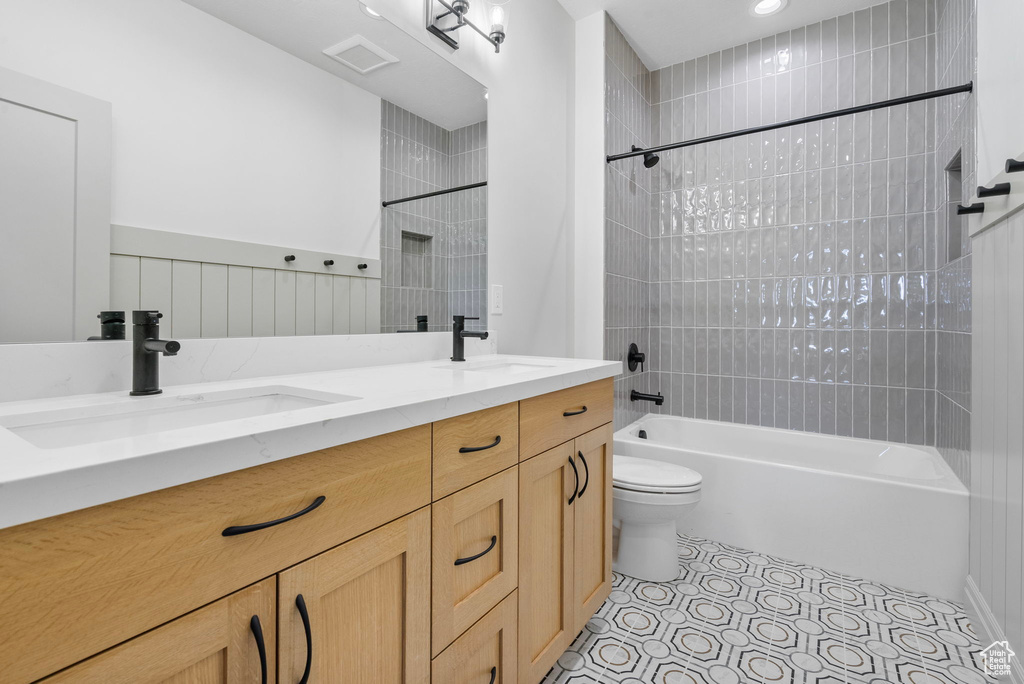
[(888, 512)]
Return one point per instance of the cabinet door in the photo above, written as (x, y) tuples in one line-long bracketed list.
[(487, 647), (360, 612), (546, 608), (213, 645), (476, 554), (592, 557)]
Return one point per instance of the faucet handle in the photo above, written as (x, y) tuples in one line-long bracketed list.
[(146, 317)]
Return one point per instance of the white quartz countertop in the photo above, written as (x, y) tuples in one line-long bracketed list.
[(37, 482)]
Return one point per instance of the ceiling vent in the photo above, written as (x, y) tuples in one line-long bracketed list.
[(360, 55)]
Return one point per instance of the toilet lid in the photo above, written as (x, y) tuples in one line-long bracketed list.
[(646, 475)]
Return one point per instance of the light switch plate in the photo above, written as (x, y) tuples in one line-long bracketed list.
[(497, 300)]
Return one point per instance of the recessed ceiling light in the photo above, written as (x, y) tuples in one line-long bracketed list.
[(369, 12), (762, 8)]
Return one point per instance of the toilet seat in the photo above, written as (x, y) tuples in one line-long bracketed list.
[(656, 477)]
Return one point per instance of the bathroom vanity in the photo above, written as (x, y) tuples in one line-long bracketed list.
[(454, 526)]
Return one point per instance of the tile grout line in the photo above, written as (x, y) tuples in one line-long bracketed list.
[(917, 639), (775, 617), (714, 601), (842, 610), (619, 645)]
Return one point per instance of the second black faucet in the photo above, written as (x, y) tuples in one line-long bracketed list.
[(459, 335)]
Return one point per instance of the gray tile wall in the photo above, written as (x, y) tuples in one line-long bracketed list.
[(956, 57), (627, 218), (468, 220), (791, 276), (418, 156)]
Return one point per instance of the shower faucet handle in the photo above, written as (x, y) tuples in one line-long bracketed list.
[(635, 358)]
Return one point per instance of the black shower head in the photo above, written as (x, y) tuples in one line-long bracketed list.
[(650, 159)]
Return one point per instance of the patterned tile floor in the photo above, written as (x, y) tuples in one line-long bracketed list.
[(737, 616)]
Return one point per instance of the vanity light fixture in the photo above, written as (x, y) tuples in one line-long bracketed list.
[(445, 18), (764, 8)]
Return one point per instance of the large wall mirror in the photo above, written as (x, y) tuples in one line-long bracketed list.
[(244, 168)]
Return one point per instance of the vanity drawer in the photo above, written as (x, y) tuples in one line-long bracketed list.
[(551, 419), (78, 583), (475, 554), (490, 643), (465, 451)]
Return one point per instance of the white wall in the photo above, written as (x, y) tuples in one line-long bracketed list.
[(588, 236), (995, 591), (1000, 85), (530, 165), (215, 132)]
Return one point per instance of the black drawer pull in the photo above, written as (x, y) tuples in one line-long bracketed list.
[(469, 450), (242, 529), (261, 646), (494, 673), (300, 603), (470, 559), (566, 414), (577, 488), (586, 471)]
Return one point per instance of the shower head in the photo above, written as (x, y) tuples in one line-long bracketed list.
[(650, 159)]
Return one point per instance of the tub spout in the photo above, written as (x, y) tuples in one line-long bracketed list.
[(640, 396)]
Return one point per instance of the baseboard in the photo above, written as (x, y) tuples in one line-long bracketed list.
[(989, 629)]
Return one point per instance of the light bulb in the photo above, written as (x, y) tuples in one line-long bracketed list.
[(497, 18)]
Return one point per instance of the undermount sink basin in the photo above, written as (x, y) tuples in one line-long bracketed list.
[(150, 415), (500, 367)]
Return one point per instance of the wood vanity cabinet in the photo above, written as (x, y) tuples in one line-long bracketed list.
[(565, 499), (437, 553), (231, 641), (360, 612)]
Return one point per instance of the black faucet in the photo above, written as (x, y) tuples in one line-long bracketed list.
[(460, 333), (640, 396), (421, 325), (146, 345), (111, 326)]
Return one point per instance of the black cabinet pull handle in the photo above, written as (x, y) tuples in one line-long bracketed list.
[(261, 646), (463, 561), (577, 474), (494, 673), (469, 450), (566, 414), (1014, 166), (586, 471), (362, 267), (300, 603), (290, 258), (243, 529), (328, 262)]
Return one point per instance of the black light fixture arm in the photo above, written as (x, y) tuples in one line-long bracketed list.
[(908, 99), (436, 193)]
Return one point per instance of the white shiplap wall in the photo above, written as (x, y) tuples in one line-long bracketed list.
[(995, 588), (209, 298)]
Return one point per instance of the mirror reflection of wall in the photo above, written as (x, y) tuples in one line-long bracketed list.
[(433, 250), (235, 180)]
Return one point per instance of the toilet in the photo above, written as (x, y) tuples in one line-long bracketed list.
[(650, 499)]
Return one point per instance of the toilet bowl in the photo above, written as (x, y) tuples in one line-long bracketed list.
[(650, 498)]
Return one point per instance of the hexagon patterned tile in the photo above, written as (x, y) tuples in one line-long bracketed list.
[(737, 616)]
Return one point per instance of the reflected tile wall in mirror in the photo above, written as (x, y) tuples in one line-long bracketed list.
[(449, 232)]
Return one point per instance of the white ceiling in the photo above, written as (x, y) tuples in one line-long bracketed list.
[(665, 32), (421, 82)]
